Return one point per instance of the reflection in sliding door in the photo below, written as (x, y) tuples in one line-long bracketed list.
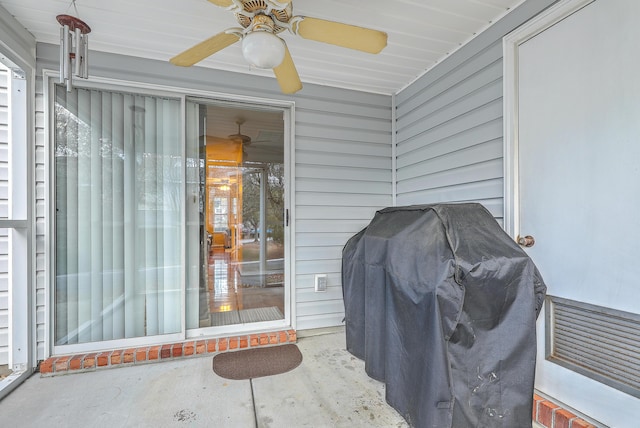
[(235, 237)]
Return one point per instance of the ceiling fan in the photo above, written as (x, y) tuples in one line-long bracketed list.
[(270, 144), (245, 140), (261, 20), (242, 139)]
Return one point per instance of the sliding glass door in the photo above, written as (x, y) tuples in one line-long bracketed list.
[(118, 216), (237, 227), (154, 237)]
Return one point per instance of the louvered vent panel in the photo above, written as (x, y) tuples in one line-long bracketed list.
[(598, 342)]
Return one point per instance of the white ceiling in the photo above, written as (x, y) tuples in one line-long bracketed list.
[(420, 34)]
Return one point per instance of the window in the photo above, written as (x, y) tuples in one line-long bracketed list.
[(15, 226), (221, 213)]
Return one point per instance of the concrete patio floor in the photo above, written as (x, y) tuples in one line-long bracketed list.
[(329, 389)]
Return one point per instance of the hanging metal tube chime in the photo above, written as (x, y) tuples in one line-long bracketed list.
[(74, 49)]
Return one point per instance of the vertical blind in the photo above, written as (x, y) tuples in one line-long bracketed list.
[(118, 196)]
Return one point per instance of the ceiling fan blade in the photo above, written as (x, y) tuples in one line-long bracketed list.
[(204, 49), (287, 74), (347, 36)]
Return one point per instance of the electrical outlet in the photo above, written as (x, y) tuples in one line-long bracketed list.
[(321, 282)]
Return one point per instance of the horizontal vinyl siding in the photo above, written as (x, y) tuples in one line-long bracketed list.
[(449, 124), (342, 166), (4, 211), (453, 140), (343, 175)]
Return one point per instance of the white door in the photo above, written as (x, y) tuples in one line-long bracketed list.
[(576, 154)]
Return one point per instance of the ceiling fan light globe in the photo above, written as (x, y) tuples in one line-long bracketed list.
[(263, 49)]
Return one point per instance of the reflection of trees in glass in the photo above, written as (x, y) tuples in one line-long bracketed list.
[(275, 200), (251, 200), (78, 140)]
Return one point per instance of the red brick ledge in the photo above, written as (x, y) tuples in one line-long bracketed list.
[(552, 415), (68, 364)]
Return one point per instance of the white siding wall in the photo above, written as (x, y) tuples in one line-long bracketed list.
[(449, 124), (342, 168), (4, 210), (343, 175)]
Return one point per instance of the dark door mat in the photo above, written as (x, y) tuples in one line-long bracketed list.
[(258, 362)]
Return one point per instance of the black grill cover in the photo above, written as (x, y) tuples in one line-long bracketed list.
[(441, 305)]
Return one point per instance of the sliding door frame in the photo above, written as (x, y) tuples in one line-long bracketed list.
[(288, 321), (50, 78)]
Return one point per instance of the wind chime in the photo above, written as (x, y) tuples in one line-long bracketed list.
[(74, 48)]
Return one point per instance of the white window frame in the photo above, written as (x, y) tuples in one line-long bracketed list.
[(20, 226)]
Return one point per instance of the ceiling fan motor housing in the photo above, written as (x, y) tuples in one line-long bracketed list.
[(259, 7)]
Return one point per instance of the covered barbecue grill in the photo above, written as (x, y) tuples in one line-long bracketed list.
[(441, 305)]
